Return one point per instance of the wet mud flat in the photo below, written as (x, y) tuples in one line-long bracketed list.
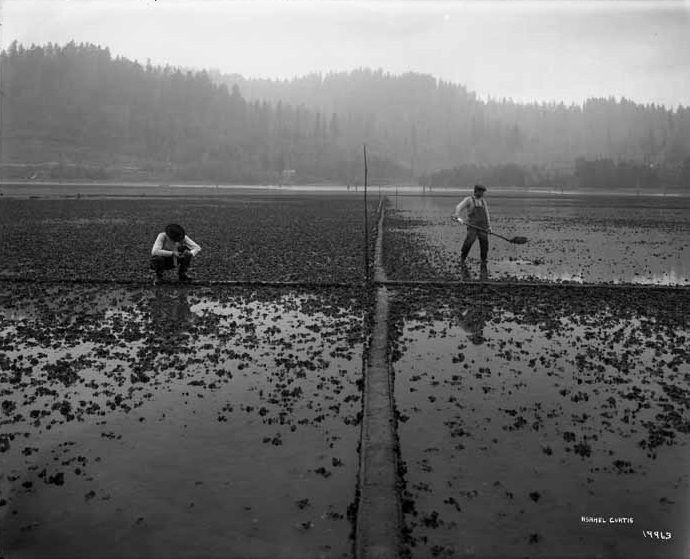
[(244, 237), (572, 239), (174, 422), (543, 422)]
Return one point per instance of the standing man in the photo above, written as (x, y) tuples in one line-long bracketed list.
[(474, 211), (173, 248)]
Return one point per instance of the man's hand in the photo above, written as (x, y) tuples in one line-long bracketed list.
[(460, 220)]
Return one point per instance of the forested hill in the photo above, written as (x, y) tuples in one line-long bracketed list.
[(75, 110), (443, 124)]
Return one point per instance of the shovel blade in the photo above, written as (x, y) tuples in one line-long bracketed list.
[(518, 240)]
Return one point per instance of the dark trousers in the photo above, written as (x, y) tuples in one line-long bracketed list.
[(162, 263), (472, 235)]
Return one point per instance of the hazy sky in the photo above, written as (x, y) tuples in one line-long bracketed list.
[(539, 50)]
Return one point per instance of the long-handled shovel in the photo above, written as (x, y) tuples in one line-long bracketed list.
[(514, 240)]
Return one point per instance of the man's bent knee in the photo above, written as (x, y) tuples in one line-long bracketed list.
[(185, 260)]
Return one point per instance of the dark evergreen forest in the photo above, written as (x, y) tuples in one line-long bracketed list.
[(75, 111)]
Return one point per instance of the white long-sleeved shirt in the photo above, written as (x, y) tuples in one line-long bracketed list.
[(464, 208), (164, 246)]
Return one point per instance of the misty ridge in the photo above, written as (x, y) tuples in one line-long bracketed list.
[(76, 112)]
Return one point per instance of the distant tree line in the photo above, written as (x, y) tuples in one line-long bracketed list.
[(75, 111), (597, 174), (511, 175), (605, 173), (429, 118)]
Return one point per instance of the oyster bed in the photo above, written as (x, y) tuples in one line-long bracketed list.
[(218, 421), (571, 239), (521, 411), (287, 237), (178, 422)]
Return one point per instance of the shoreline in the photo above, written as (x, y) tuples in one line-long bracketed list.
[(26, 188)]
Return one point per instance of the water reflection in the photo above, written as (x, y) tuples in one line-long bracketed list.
[(472, 319), (170, 312)]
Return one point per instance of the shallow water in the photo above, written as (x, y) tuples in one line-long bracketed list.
[(512, 429), (237, 412)]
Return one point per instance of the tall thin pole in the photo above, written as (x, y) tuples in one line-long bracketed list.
[(2, 122), (366, 220)]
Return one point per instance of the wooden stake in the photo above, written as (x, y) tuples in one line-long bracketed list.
[(366, 220)]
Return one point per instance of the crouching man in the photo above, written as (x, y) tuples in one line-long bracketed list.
[(172, 249)]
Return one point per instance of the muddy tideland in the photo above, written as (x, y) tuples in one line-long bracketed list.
[(571, 239), (244, 236), (537, 408)]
